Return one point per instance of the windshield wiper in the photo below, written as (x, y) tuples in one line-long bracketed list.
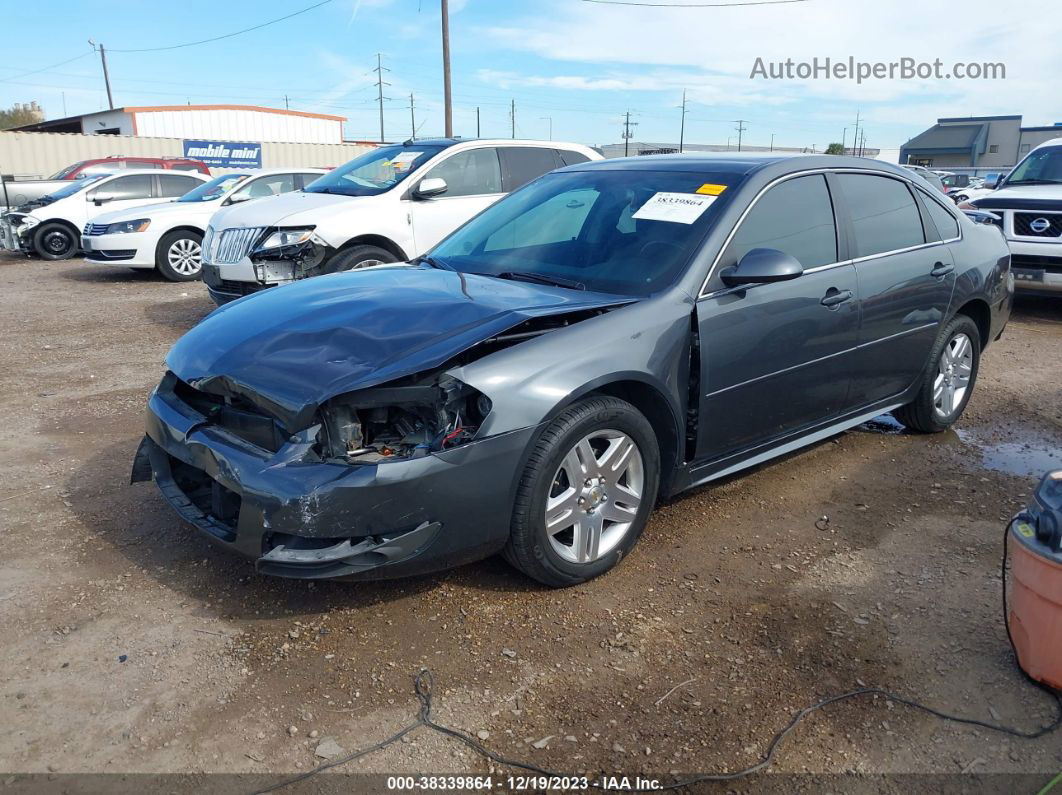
[(538, 278), (1035, 182), (438, 264)]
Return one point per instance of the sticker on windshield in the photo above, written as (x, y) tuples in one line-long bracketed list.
[(678, 208), (710, 189)]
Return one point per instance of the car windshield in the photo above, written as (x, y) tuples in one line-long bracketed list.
[(64, 173), (1041, 167), (622, 232), (374, 172), (214, 189), (73, 187)]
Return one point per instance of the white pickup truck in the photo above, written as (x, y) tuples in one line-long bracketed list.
[(1029, 200)]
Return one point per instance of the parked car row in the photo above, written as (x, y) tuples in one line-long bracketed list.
[(18, 192)]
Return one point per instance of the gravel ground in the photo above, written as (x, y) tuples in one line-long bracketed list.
[(133, 646)]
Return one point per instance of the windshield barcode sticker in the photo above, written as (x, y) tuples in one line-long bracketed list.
[(678, 208)]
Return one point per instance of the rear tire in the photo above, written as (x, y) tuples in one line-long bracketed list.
[(55, 241), (948, 379), (179, 255), (586, 493), (358, 257)]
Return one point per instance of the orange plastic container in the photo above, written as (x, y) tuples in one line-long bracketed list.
[(1036, 609)]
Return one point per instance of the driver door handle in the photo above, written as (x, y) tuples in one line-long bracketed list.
[(941, 269), (835, 297)]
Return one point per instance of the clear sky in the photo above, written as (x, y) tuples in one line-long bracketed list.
[(581, 63)]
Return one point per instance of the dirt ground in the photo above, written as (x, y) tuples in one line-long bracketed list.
[(130, 645)]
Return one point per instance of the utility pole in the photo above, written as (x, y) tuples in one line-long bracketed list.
[(448, 110), (772, 142), (512, 116), (286, 107), (412, 120), (627, 134), (740, 130), (682, 124), (855, 138), (106, 76), (380, 69), (477, 121), (550, 120), (844, 137)]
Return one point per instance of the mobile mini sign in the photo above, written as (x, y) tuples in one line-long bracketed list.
[(225, 154)]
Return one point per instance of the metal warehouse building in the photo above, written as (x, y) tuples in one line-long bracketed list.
[(976, 142), (204, 122)]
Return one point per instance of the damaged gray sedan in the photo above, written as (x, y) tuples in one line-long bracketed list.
[(607, 336)]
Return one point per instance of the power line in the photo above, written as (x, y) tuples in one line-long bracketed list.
[(227, 35), (46, 68)]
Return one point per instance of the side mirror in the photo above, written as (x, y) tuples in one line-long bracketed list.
[(992, 181), (237, 198), (432, 186), (762, 266), (100, 198)]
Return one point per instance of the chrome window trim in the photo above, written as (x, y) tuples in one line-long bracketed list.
[(839, 170)]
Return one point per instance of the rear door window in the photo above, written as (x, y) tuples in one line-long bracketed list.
[(795, 216), (521, 164), (946, 225), (570, 158), (173, 185), (134, 186), (883, 212)]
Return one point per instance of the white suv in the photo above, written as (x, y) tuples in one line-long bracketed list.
[(388, 205), (167, 237), (1029, 200)]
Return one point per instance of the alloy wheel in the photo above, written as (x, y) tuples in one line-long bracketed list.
[(185, 256), (594, 496), (954, 369)]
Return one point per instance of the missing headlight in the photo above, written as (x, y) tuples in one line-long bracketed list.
[(402, 421)]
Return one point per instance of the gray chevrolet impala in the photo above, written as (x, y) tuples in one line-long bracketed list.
[(611, 334)]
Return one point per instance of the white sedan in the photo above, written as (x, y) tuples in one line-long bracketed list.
[(168, 237)]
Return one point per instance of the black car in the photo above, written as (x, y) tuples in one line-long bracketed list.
[(605, 337)]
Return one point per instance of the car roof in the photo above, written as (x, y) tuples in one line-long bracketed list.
[(121, 172), (739, 163), (489, 142), (259, 172)]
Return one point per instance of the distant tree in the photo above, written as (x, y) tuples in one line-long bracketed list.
[(19, 114), (835, 149)]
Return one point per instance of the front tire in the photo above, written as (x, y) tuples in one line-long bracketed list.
[(948, 380), (55, 241), (179, 255), (586, 493), (358, 257)]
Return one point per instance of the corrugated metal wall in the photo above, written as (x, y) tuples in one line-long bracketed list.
[(40, 154)]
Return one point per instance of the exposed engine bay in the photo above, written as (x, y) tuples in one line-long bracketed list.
[(400, 421)]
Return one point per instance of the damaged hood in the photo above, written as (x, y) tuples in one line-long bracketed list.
[(291, 348), (289, 209)]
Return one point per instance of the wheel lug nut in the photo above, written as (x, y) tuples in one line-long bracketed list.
[(589, 483), (582, 500)]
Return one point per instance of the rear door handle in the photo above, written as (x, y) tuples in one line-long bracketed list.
[(835, 297), (940, 269)]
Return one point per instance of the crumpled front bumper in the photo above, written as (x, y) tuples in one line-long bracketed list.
[(307, 519)]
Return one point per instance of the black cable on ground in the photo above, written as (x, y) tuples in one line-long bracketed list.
[(424, 683)]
